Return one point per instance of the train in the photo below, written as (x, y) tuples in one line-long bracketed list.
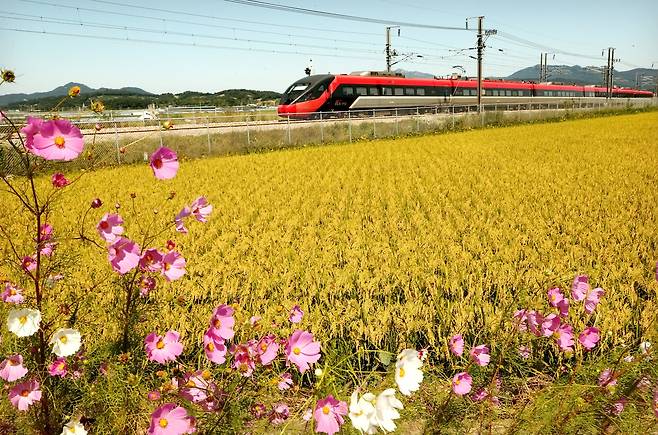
[(319, 93)]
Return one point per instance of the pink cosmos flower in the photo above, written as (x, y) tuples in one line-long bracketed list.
[(279, 414), (301, 350), (461, 383), (12, 368), (564, 336), (45, 232), (151, 260), (296, 314), (201, 209), (164, 163), (123, 255), (555, 296), (329, 414), (592, 299), (178, 220), (607, 378), (535, 320), (253, 321), (163, 349), (214, 347), (173, 266), (285, 381), (23, 395), (618, 406), (222, 321), (109, 227), (30, 130), (550, 325), (153, 396), (580, 287), (171, 419), (244, 358), (146, 285), (29, 263), (48, 249), (480, 354), (267, 349), (524, 352), (59, 180), (258, 410), (563, 306), (456, 345), (59, 367), (55, 139), (589, 337), (195, 387), (12, 294), (521, 320)]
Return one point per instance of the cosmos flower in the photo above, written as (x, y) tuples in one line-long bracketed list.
[(74, 427), (65, 342), (302, 350), (55, 139), (164, 163), (123, 255), (24, 322), (564, 336), (222, 321), (201, 209), (480, 354), (267, 349), (329, 414), (362, 412), (607, 378), (461, 383), (12, 294), (109, 227), (549, 325), (386, 410), (214, 347), (592, 299), (456, 345), (171, 419), (173, 266), (408, 374), (59, 367), (12, 369), (285, 381), (58, 180), (589, 337), (279, 414), (151, 260), (163, 348), (296, 314), (178, 220), (23, 395), (555, 296), (580, 287), (29, 263)]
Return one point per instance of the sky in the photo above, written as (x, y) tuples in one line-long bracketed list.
[(212, 45)]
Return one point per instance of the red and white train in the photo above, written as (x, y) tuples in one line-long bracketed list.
[(372, 90)]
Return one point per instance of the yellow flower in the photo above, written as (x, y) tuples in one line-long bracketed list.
[(74, 91)]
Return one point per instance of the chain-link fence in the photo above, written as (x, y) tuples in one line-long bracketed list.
[(111, 142)]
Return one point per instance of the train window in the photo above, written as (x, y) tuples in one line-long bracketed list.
[(420, 91), (387, 91), (399, 91), (373, 91), (348, 90), (494, 92), (408, 91), (361, 91), (508, 93)]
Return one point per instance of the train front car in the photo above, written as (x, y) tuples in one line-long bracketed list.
[(305, 97)]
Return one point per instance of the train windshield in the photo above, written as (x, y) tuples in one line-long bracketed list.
[(293, 92)]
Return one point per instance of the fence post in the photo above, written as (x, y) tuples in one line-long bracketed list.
[(160, 131), (249, 132), (349, 125), (417, 121), (374, 124), (116, 142), (397, 126), (208, 132), (321, 129), (289, 138), (452, 116)]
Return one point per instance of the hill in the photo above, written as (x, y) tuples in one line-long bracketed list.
[(590, 75)]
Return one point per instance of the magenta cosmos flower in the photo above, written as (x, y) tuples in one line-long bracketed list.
[(151, 260), (109, 227), (267, 349), (535, 320), (279, 414), (163, 349), (29, 263), (521, 320), (244, 358), (214, 347), (461, 383), (592, 299), (549, 325), (589, 337), (480, 355), (222, 321), (285, 381), (123, 255), (563, 306), (296, 314), (164, 163), (607, 378), (12, 368), (59, 367), (59, 180), (329, 414), (564, 336), (56, 139), (580, 287), (12, 294), (555, 296), (171, 419), (23, 395), (201, 209), (173, 266), (178, 220), (301, 350), (456, 345)]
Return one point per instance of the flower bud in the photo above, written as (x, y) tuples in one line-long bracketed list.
[(122, 150), (133, 195), (96, 203), (97, 107), (318, 372), (170, 245), (8, 76), (117, 206), (74, 91), (98, 127), (167, 125)]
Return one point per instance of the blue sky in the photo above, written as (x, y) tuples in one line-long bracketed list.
[(211, 45)]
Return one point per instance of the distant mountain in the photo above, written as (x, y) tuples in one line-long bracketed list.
[(415, 74), (589, 75), (134, 98)]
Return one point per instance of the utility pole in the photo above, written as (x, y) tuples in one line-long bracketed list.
[(610, 72), (541, 67), (480, 50), (389, 52)]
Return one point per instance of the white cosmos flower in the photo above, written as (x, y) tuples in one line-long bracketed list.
[(386, 410), (74, 427), (644, 347), (408, 376), (362, 413), (65, 342), (24, 322)]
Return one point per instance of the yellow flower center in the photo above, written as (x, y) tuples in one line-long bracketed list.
[(60, 366), (190, 383), (553, 297), (296, 351), (211, 347), (205, 374), (358, 413), (63, 339), (163, 423), (263, 347), (59, 142), (13, 362), (457, 382), (167, 266), (160, 344), (12, 292), (25, 393), (22, 319), (217, 323), (401, 372), (325, 409)]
